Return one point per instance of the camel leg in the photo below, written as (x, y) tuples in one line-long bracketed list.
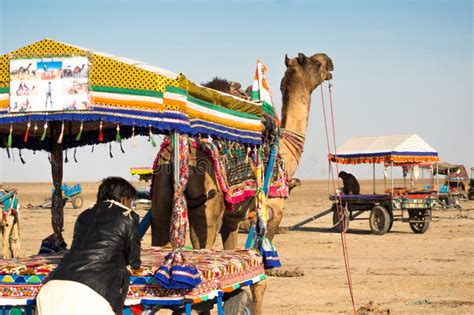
[(276, 206), (7, 227), (14, 238), (162, 205), (258, 291), (230, 224)]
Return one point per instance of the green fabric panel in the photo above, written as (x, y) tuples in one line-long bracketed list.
[(109, 89), (173, 89), (4, 90), (222, 109), (268, 108)]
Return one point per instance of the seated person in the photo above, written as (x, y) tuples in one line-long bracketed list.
[(351, 185), (93, 277)]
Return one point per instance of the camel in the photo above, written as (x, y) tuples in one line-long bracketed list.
[(10, 224), (206, 208), (77, 71)]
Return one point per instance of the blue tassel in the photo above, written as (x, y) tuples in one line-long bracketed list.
[(175, 273), (269, 254)]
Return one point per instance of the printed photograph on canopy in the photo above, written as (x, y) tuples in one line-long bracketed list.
[(49, 84)]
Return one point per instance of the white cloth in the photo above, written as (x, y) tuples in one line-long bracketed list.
[(59, 297)]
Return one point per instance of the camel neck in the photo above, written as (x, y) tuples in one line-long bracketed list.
[(295, 112)]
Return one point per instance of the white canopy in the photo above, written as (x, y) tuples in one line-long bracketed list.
[(397, 149)]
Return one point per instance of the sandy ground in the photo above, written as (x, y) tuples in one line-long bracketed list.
[(400, 271)]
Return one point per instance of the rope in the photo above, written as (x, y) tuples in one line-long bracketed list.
[(339, 206)]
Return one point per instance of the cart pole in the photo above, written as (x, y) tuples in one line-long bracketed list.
[(57, 210), (176, 159), (437, 180), (373, 175), (391, 176)]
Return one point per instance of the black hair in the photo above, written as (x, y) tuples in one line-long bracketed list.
[(342, 173), (115, 188)]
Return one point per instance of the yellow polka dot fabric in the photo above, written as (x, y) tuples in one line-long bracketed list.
[(104, 71)]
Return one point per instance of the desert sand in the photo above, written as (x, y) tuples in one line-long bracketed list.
[(400, 271)]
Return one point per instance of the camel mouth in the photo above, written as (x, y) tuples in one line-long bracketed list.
[(328, 76)]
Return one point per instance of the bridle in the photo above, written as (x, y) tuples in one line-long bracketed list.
[(295, 140)]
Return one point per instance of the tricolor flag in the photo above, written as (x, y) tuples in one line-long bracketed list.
[(261, 90)]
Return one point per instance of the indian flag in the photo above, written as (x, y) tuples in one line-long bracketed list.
[(261, 91)]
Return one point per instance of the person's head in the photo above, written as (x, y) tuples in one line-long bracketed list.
[(118, 189), (342, 174)]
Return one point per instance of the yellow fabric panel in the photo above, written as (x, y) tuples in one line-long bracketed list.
[(110, 72), (127, 103)]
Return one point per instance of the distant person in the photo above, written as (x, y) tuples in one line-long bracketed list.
[(351, 185), (93, 277)]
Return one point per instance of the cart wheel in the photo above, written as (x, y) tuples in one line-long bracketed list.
[(239, 303), (336, 217), (379, 220), (391, 222), (77, 202), (424, 221)]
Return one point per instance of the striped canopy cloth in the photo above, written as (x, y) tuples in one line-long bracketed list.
[(396, 149), (127, 97)]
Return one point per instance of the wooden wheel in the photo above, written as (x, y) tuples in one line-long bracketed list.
[(379, 220), (422, 218)]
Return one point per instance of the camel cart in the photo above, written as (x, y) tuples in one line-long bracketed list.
[(455, 187), (411, 206), (71, 194), (109, 99)]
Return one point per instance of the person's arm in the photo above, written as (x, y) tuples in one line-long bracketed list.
[(133, 242)]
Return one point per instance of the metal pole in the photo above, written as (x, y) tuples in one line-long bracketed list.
[(391, 175), (329, 177), (437, 179), (176, 164), (373, 175)]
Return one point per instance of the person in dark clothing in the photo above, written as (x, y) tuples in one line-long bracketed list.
[(93, 278), (351, 185)]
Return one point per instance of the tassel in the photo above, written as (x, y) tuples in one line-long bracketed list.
[(134, 141), (92, 150), (45, 127), (121, 148), (10, 137), (25, 138), (21, 157), (35, 129), (66, 159), (75, 160), (150, 137), (110, 150), (101, 135), (49, 158), (247, 156), (8, 153), (78, 137), (61, 135), (118, 138)]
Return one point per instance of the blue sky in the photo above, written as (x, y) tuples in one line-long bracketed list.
[(400, 66)]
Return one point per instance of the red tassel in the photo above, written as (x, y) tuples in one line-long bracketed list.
[(25, 138), (101, 135)]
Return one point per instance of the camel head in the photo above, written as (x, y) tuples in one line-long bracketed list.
[(306, 72)]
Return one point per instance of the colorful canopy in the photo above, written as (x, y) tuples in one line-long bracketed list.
[(126, 98), (397, 149)]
